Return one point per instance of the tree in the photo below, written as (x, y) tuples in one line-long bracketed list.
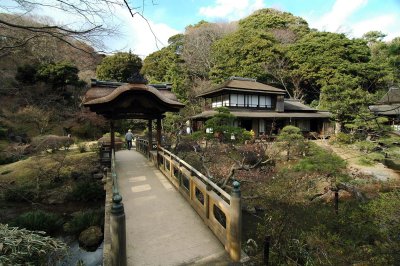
[(241, 53), (345, 99), (258, 45), (291, 137), (93, 17), (59, 74), (33, 117), (119, 67), (197, 43), (167, 65)]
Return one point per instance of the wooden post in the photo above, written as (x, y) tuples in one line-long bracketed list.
[(336, 201), (112, 135), (158, 132), (158, 140), (235, 227), (118, 232), (267, 243), (150, 137)]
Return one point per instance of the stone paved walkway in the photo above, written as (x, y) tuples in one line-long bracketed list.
[(161, 227)]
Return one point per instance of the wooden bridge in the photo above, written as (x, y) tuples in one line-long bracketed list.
[(159, 210), (172, 215)]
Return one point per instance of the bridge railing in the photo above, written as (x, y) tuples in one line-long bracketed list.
[(117, 220), (220, 211), (142, 145)]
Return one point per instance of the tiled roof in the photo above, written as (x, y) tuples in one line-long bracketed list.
[(392, 96), (241, 84)]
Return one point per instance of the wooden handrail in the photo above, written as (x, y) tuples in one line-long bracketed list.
[(203, 177)]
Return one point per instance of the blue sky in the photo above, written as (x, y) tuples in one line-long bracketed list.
[(169, 17), (353, 17)]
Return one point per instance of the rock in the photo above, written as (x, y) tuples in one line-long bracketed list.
[(251, 209), (55, 197), (98, 176), (75, 175), (91, 238), (250, 247)]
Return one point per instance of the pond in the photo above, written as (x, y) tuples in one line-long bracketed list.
[(76, 254)]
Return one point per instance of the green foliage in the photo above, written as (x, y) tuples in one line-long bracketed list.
[(166, 65), (241, 53), (3, 132), (82, 147), (119, 67), (22, 193), (371, 159), (344, 138), (89, 190), (366, 146), (272, 19), (292, 138), (38, 221), (24, 247), (344, 98), (321, 162), (8, 158), (59, 74), (83, 220), (26, 74), (311, 233)]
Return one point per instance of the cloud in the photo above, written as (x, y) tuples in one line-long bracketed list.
[(141, 36), (231, 9), (382, 23), (335, 19)]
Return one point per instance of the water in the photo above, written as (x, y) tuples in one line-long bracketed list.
[(76, 253)]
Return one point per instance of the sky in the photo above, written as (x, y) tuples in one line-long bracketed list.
[(169, 17), (353, 17)]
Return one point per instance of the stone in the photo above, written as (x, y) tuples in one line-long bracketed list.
[(91, 238), (98, 176), (55, 197)]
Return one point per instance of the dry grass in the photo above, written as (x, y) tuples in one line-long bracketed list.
[(24, 171)]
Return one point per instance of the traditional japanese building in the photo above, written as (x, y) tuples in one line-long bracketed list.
[(261, 108), (389, 106)]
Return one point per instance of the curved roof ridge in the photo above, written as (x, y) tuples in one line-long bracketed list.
[(129, 87)]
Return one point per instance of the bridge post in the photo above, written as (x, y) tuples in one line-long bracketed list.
[(158, 140), (235, 228), (118, 232), (150, 136), (112, 135)]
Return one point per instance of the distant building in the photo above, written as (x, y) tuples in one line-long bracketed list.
[(389, 106), (261, 108)]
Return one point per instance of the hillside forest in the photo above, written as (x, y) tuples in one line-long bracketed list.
[(288, 186)]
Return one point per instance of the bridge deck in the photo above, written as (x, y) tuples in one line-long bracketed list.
[(161, 227)]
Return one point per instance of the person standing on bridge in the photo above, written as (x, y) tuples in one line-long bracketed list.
[(129, 138)]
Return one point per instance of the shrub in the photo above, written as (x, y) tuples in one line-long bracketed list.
[(321, 161), (366, 146), (344, 138), (23, 193), (82, 147), (371, 159), (83, 220), (7, 159), (94, 147), (87, 191), (38, 221)]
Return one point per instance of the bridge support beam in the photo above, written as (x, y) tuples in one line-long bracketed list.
[(118, 232), (235, 228)]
